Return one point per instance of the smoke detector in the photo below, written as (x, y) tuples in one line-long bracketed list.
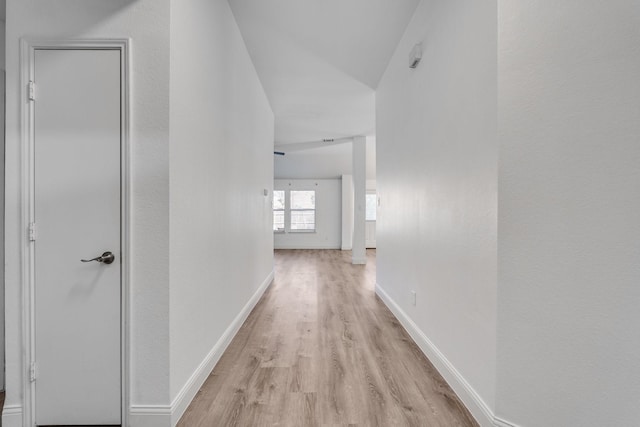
[(415, 56)]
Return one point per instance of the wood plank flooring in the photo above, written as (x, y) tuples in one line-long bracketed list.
[(320, 349)]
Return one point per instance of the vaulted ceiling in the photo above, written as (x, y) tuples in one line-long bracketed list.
[(320, 61)]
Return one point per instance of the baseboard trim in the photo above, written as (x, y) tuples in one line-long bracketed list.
[(150, 416), (12, 416), (318, 247), (472, 400), (499, 422), (139, 416), (169, 415), (191, 387)]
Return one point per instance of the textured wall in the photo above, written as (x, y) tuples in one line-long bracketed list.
[(147, 23), (569, 235), (221, 161), (437, 182)]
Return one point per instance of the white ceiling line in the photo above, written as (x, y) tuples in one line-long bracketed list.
[(299, 146)]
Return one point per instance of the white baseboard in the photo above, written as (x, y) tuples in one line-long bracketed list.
[(12, 416), (169, 415), (499, 422), (150, 416), (139, 416), (303, 246), (472, 400), (189, 390)]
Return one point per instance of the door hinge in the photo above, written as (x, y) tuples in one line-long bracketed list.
[(32, 372), (32, 232), (32, 91)]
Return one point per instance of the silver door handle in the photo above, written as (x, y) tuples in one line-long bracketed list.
[(105, 258)]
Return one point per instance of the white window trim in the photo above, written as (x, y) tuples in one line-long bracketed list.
[(288, 210), (291, 210), (280, 210)]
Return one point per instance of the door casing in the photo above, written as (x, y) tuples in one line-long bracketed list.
[(27, 68)]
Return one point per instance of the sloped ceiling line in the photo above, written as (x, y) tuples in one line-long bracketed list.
[(320, 61)]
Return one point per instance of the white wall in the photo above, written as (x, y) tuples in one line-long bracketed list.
[(569, 234), (2, 44), (219, 257), (2, 108), (437, 181), (221, 161), (328, 234), (147, 23)]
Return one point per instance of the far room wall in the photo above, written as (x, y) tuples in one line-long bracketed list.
[(327, 234), (327, 166)]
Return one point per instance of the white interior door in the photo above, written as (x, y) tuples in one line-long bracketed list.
[(77, 134)]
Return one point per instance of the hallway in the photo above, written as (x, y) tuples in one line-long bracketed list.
[(321, 349)]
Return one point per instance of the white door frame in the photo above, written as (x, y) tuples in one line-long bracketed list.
[(27, 64)]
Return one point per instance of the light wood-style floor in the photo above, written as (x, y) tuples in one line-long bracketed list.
[(320, 349)]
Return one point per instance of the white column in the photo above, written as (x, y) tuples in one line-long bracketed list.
[(2, 87), (359, 254), (347, 212)]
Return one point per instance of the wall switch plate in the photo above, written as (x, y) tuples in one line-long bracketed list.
[(413, 298)]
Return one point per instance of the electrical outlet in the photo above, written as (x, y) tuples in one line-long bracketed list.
[(413, 297)]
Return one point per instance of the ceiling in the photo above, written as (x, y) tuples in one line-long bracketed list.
[(320, 61), (323, 162)]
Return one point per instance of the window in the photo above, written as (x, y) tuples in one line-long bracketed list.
[(294, 211), (303, 211), (278, 210), (371, 205)]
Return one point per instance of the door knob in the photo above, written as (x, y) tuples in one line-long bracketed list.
[(105, 258)]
